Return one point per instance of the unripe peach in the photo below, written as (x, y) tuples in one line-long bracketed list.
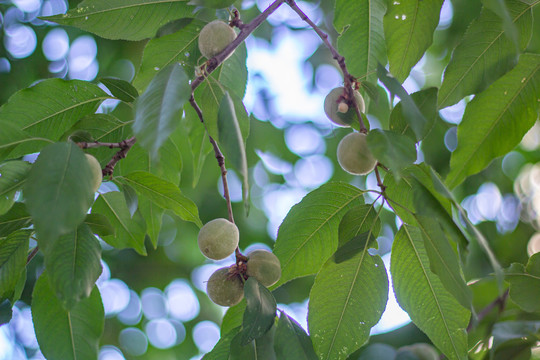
[(354, 155), (214, 37), (338, 111), (218, 239), (263, 266), (97, 175), (225, 289)]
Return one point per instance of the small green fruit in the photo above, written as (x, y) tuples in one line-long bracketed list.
[(422, 351), (354, 155), (97, 175), (218, 239), (214, 37), (225, 289), (263, 266), (337, 109)]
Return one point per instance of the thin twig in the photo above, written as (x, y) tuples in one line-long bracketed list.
[(499, 302), (32, 254), (379, 180), (125, 146), (219, 156), (96, 144), (348, 79), (245, 31)]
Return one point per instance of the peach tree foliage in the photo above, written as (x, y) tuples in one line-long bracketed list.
[(331, 233)]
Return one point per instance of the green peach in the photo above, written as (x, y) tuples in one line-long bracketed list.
[(218, 239), (263, 266), (337, 110), (354, 155), (214, 37), (97, 175), (225, 289)]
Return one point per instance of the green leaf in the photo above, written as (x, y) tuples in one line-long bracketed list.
[(408, 29), (511, 332), (99, 224), (361, 39), (233, 143), (163, 194), (309, 234), (260, 311), (49, 108), (13, 251), (63, 334), (443, 260), (158, 109), (291, 341), (123, 19), (496, 120), (394, 150), (485, 53), (345, 302), (73, 264), (60, 179), (12, 177), (178, 47), (259, 349), (196, 135), (153, 215), (360, 219), (11, 136), (130, 231), (421, 294), (233, 317), (222, 349), (525, 283), (121, 89), (6, 312), (426, 100), (414, 117), (16, 218), (215, 4)]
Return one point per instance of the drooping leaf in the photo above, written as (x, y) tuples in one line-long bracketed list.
[(485, 53), (291, 341), (414, 117), (309, 234), (259, 349), (153, 215), (13, 251), (73, 265), (421, 294), (16, 218), (158, 109), (63, 334), (163, 194), (443, 260), (121, 19), (525, 283), (394, 150), (426, 100), (222, 349), (233, 143), (346, 300), (260, 311), (99, 224), (121, 89), (180, 46), (49, 108), (361, 39), (12, 177), (130, 231), (408, 29), (496, 120), (60, 179)]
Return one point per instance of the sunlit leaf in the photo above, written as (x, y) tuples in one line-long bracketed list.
[(485, 53), (408, 29), (361, 39), (62, 334), (421, 294), (496, 120), (123, 19), (309, 234), (525, 283)]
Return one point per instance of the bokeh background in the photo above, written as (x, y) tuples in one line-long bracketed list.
[(156, 306)]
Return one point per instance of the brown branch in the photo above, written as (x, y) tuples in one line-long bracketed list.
[(32, 254), (245, 30), (125, 146), (499, 302), (96, 144), (347, 77), (379, 180)]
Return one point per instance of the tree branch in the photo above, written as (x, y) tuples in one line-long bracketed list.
[(32, 254), (125, 146), (500, 301), (347, 77)]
